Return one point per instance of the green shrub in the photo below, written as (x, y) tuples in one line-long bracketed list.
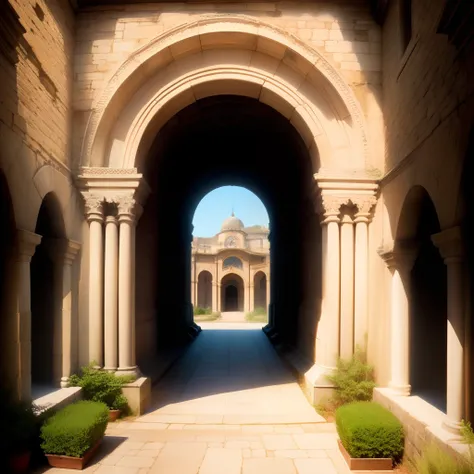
[(353, 379), (257, 315), (75, 428), (200, 311), (368, 430), (466, 432), (99, 385), (436, 461), (214, 316)]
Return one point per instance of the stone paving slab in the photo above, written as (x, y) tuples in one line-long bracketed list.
[(219, 421)]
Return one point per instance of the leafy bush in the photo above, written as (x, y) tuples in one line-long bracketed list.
[(368, 430), (436, 461), (208, 317), (200, 311), (75, 429), (257, 315), (100, 386), (353, 379), (466, 432)]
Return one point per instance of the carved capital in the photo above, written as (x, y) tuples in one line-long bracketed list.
[(128, 208), (401, 257), (26, 244), (94, 206), (450, 244), (331, 208), (72, 249), (364, 206)]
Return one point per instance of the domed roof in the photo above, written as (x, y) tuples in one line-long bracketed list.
[(232, 223)]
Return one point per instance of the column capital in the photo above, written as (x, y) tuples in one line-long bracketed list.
[(61, 250), (72, 249), (128, 208), (26, 244), (400, 257), (331, 208), (450, 244), (94, 206), (365, 205)]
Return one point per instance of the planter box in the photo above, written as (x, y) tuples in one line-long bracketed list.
[(69, 462), (114, 414), (365, 464)]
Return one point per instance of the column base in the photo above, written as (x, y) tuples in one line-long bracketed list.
[(64, 383), (452, 426), (400, 390), (110, 369), (129, 371)]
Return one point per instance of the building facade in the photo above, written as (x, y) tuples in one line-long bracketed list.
[(352, 120), (231, 271)]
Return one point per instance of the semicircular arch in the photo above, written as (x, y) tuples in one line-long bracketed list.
[(290, 76)]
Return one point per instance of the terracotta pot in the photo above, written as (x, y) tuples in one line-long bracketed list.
[(114, 414), (19, 463), (69, 462), (365, 464)]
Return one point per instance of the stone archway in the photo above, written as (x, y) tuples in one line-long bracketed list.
[(204, 299), (7, 282), (260, 291), (232, 293), (46, 297)]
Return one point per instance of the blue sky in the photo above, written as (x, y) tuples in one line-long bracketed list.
[(218, 204)]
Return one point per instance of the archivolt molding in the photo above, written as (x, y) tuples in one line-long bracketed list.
[(209, 24), (189, 83)]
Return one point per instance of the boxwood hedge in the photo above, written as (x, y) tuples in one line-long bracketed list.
[(75, 428), (368, 430)]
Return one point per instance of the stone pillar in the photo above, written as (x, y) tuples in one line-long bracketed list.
[(219, 297), (246, 297), (449, 243), (95, 218), (267, 300), (67, 343), (252, 296), (214, 296), (400, 263), (111, 293), (327, 346), (361, 273), (347, 287), (26, 245), (126, 299)]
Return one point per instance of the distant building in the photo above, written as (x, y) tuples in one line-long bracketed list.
[(231, 270)]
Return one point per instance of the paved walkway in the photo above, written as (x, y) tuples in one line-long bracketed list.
[(228, 406)]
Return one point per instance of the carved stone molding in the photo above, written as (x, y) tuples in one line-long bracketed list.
[(364, 204), (94, 206), (450, 244), (26, 244), (401, 257)]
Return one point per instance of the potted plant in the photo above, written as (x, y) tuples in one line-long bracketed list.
[(371, 437), (71, 436), (99, 385), (18, 426)]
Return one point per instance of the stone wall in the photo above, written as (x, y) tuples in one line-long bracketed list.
[(425, 85), (37, 91), (345, 33)]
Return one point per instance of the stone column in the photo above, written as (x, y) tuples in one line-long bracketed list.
[(361, 273), (111, 293), (400, 263), (327, 346), (267, 301), (347, 286), (95, 218), (26, 245), (126, 300), (246, 297), (214, 295), (449, 243), (252, 296), (67, 342)]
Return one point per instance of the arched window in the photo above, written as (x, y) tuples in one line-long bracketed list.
[(233, 262)]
